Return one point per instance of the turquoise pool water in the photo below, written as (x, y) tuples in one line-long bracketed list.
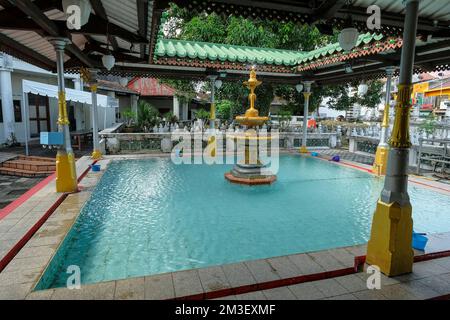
[(151, 216)]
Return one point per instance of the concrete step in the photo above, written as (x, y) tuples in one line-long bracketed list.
[(35, 158), (23, 173), (38, 166)]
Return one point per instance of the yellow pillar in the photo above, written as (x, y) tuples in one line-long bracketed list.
[(66, 175), (390, 244), (381, 156), (96, 154), (307, 95)]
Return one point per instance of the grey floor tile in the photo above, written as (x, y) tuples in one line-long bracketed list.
[(238, 274), (159, 287), (186, 283), (282, 293), (213, 279), (306, 291), (262, 271)]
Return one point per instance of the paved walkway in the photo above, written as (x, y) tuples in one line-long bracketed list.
[(12, 188), (21, 220), (346, 155), (5, 156)]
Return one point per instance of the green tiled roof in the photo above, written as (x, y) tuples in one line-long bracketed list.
[(181, 49), (335, 47), (221, 52)]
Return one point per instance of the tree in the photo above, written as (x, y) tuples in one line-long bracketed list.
[(224, 109), (374, 95), (202, 114), (148, 115)]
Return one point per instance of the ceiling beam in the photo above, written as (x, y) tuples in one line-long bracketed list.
[(142, 15), (50, 27), (22, 52), (100, 11), (327, 9)]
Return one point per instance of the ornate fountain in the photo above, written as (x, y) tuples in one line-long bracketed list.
[(250, 170)]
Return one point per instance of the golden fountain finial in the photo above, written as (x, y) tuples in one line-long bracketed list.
[(251, 117)]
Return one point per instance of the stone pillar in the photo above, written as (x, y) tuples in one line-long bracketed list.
[(389, 246), (7, 99), (176, 107), (306, 94), (66, 176), (134, 105), (185, 111)]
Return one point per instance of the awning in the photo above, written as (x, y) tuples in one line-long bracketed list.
[(51, 91), (437, 92)]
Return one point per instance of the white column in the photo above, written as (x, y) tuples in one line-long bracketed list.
[(7, 99), (185, 111), (134, 104), (176, 107)]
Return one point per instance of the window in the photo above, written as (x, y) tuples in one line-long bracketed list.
[(17, 111)]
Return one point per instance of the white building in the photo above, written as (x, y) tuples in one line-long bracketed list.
[(42, 110)]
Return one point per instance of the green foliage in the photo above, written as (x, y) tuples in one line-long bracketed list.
[(340, 98), (202, 114), (148, 115), (374, 95), (224, 110), (284, 118), (170, 117), (429, 125), (128, 115)]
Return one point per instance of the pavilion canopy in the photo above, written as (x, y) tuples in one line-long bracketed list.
[(132, 30)]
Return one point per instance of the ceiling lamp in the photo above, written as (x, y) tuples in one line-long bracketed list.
[(78, 12), (362, 89), (349, 35), (108, 61), (348, 38), (348, 68), (218, 84), (299, 88)]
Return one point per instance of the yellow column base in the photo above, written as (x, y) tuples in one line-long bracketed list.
[(381, 158), (303, 149), (390, 244), (66, 176), (96, 155), (212, 146)]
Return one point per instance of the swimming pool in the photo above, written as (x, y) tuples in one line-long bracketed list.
[(151, 216)]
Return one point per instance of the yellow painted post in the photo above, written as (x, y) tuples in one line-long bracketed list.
[(390, 244), (381, 156), (66, 176)]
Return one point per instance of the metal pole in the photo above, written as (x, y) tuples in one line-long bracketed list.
[(212, 120), (26, 121), (66, 177), (306, 95), (96, 154), (389, 246)]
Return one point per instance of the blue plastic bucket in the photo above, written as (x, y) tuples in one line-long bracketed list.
[(314, 154), (419, 241), (95, 167)]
